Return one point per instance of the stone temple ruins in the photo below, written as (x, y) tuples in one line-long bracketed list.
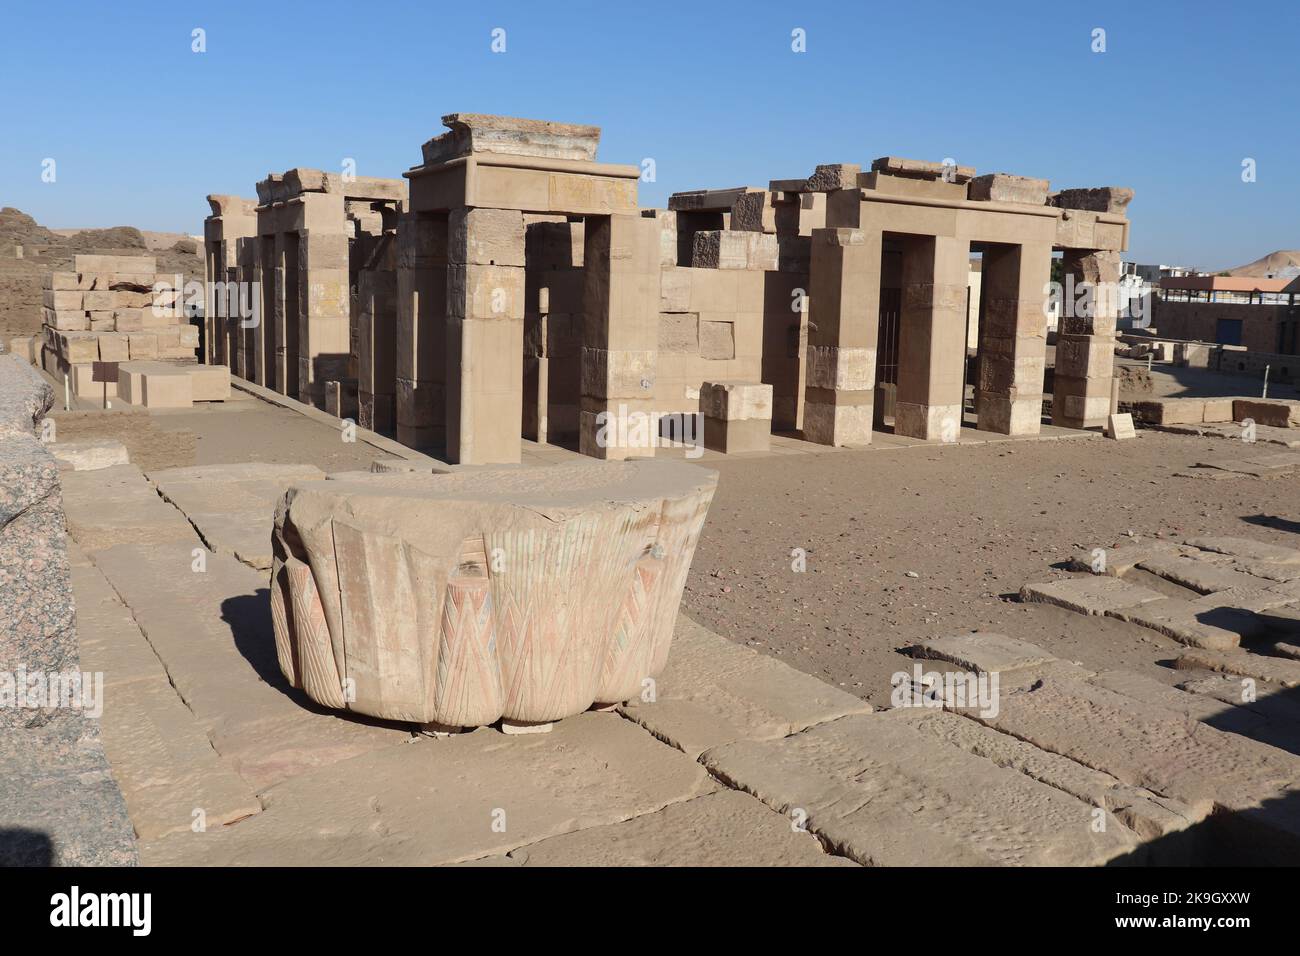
[(312, 643), (510, 286)]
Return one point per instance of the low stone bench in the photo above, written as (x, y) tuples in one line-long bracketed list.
[(456, 600), (737, 416)]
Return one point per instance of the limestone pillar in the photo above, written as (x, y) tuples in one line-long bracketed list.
[(620, 344), (376, 338), (485, 335), (324, 299), (932, 338), (1013, 338), (1085, 341), (420, 336), (843, 319)]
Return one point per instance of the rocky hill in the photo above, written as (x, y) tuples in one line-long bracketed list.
[(28, 250)]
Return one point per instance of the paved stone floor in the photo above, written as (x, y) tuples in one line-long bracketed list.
[(735, 758)]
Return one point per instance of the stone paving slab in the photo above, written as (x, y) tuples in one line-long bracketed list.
[(1146, 745), (453, 799), (1095, 594), (1123, 558), (233, 506), (713, 691), (982, 652), (1247, 548), (1148, 814), (884, 793), (212, 631), (1277, 670), (116, 505), (727, 828), (1204, 577), (1217, 628)]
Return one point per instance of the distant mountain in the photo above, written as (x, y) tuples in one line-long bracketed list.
[(1271, 264)]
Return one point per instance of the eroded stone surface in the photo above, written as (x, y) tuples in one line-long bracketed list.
[(391, 806), (233, 506), (883, 793), (464, 598), (713, 691), (726, 828), (1097, 594)]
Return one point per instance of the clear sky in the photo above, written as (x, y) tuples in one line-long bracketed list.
[(141, 128)]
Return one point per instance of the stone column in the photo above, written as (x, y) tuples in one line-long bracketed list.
[(376, 340), (421, 333), (843, 320), (264, 335), (1013, 338), (282, 357), (620, 343), (324, 345), (932, 338), (485, 335), (1085, 341), (244, 329)]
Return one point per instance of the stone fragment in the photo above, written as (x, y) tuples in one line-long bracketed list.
[(1278, 413), (1247, 548), (1111, 199), (1277, 670), (1098, 594), (1199, 575), (1120, 427), (1004, 187), (982, 652)]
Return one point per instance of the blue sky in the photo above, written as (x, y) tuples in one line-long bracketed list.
[(142, 128)]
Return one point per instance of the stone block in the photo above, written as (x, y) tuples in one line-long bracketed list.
[(735, 401), (1218, 410), (130, 265), (62, 301), (1120, 426), (717, 339), (209, 383), (1097, 594), (1109, 199), (1169, 411), (1004, 187), (1279, 413), (439, 633)]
